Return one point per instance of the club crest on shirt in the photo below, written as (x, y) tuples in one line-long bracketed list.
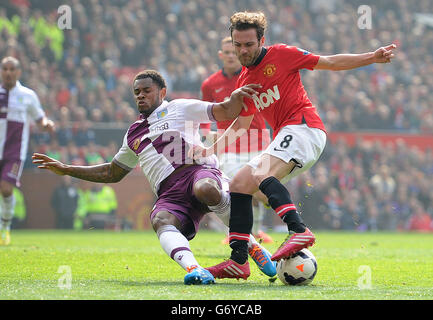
[(269, 70), (161, 114), (136, 143)]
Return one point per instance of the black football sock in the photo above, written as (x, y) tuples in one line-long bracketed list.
[(241, 223), (279, 199)]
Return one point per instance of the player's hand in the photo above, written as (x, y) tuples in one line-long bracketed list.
[(384, 54), (45, 162), (247, 91), (49, 126)]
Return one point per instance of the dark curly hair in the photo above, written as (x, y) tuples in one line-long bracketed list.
[(154, 75)]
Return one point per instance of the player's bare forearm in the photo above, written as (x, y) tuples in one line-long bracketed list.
[(237, 129), (352, 61), (345, 61), (227, 110), (230, 109), (103, 173), (230, 135)]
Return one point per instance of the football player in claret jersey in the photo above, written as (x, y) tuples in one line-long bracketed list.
[(299, 134), (216, 88), (19, 106), (159, 142)]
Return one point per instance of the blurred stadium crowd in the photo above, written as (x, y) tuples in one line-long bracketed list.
[(369, 186), (82, 77)]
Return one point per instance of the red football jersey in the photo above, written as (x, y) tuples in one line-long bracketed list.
[(217, 88), (282, 100)]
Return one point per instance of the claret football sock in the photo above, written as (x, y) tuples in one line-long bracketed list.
[(176, 246), (280, 201), (241, 222)]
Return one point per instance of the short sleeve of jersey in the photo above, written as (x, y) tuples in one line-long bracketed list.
[(35, 109), (296, 58), (125, 157), (196, 110)]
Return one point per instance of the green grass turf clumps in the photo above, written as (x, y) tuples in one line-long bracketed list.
[(132, 265)]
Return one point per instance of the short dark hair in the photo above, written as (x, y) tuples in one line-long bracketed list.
[(154, 75), (245, 20)]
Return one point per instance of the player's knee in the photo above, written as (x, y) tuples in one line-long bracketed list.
[(237, 184), (243, 182), (163, 218), (258, 179), (207, 191), (6, 189)]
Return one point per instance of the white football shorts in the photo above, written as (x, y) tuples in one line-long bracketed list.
[(231, 163), (300, 143)]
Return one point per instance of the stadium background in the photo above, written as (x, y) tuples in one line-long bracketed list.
[(376, 171)]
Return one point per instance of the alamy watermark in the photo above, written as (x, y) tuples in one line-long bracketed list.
[(65, 280), (174, 142), (365, 20), (64, 22), (364, 281)]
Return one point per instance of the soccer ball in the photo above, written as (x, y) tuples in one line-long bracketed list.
[(299, 269)]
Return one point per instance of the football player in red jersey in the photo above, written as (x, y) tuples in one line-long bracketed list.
[(299, 134), (216, 88)]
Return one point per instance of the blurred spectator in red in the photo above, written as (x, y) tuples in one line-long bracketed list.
[(419, 220)]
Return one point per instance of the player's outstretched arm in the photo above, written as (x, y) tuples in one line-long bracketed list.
[(104, 173), (352, 61), (237, 129), (230, 109)]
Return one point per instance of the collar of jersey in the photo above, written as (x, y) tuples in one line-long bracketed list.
[(161, 106), (259, 58), (236, 73), (17, 85)]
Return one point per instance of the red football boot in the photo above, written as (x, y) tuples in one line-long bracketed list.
[(230, 269), (293, 244)]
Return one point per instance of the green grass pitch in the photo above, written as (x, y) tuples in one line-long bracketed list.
[(132, 265)]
